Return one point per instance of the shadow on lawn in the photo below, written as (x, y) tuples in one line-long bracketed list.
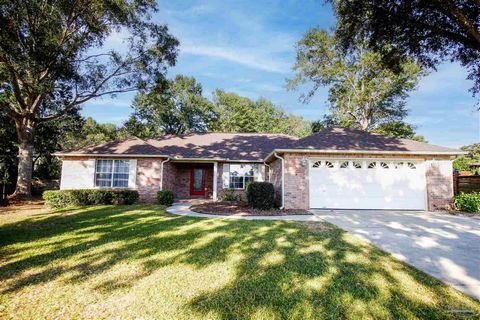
[(287, 270)]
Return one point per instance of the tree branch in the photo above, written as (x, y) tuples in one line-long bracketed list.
[(463, 20), (8, 109), (456, 37), (77, 102)]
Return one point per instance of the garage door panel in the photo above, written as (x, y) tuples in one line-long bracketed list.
[(391, 185)]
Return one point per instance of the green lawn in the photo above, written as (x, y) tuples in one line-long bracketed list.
[(137, 262)]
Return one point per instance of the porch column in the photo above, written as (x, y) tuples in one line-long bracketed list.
[(215, 180)]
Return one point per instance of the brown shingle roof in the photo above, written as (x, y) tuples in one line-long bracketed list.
[(129, 146), (339, 139), (255, 146), (234, 146)]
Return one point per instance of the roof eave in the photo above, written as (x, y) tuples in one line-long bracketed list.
[(179, 159), (420, 153), (111, 155)]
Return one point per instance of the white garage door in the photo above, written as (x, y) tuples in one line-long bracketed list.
[(367, 184)]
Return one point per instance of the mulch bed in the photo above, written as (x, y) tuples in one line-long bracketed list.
[(241, 209)]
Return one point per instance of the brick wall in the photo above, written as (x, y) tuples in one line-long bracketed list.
[(148, 178), (296, 181), (276, 179), (439, 184), (169, 175)]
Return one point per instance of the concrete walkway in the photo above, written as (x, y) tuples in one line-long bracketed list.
[(446, 247), (183, 209)]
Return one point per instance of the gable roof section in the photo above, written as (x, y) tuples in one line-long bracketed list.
[(257, 147), (214, 145), (338, 140), (130, 147), (231, 146)]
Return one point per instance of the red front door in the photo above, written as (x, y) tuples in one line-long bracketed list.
[(197, 182)]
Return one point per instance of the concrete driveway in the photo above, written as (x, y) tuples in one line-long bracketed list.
[(444, 246)]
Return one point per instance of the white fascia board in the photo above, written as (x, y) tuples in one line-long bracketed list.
[(175, 159), (213, 160), (110, 155), (431, 153)]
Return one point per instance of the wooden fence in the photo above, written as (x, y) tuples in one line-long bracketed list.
[(466, 183)]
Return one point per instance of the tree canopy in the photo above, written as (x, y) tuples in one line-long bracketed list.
[(241, 114), (399, 129), (172, 107), (428, 31), (362, 93), (52, 60), (463, 163)]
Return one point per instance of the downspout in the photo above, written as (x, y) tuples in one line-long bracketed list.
[(283, 178), (161, 172)]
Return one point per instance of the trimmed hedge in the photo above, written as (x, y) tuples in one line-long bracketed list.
[(165, 197), (468, 202), (85, 197), (261, 195)]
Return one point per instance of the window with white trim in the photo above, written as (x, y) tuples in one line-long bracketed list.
[(112, 173), (242, 174)]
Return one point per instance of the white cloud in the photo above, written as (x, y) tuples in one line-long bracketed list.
[(248, 58), (121, 101)]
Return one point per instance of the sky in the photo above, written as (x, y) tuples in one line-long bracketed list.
[(248, 47)]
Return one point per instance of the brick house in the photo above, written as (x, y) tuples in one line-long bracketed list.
[(336, 168)]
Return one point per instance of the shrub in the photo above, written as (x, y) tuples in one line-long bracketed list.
[(261, 195), (230, 195), (468, 202), (165, 197), (125, 197), (84, 197)]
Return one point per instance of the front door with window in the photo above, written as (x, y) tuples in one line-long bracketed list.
[(197, 182)]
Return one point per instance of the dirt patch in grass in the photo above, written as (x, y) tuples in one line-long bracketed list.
[(241, 209), (15, 205)]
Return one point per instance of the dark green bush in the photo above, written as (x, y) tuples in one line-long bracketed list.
[(165, 197), (261, 195), (468, 202), (84, 197)]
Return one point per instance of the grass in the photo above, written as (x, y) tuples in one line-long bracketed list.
[(138, 262)]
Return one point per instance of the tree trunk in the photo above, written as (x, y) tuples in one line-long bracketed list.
[(26, 134), (364, 123)]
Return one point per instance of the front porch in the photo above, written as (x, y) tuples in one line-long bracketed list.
[(191, 180)]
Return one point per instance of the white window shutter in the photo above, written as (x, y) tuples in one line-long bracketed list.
[(226, 175), (132, 174)]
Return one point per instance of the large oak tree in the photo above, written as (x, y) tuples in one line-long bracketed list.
[(52, 59), (362, 93), (428, 31)]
